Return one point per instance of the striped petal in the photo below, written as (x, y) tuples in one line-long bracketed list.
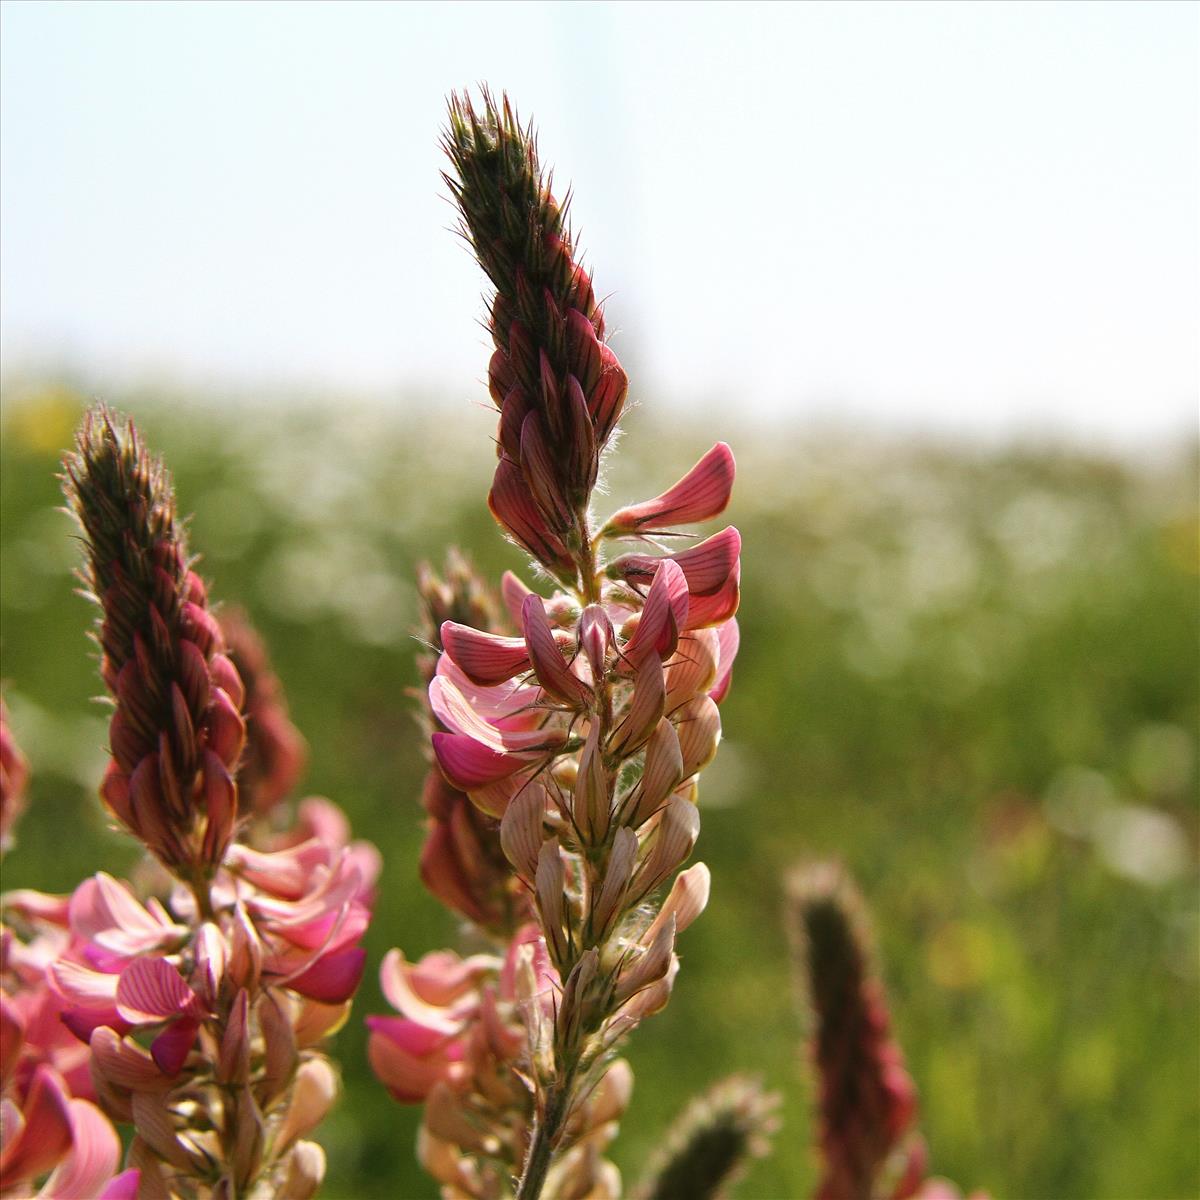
[(700, 495)]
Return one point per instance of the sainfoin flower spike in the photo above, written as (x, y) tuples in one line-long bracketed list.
[(582, 728), (204, 1007), (868, 1139)]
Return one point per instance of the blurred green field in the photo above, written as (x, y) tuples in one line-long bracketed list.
[(970, 673)]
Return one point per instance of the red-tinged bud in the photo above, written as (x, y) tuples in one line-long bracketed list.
[(543, 476), (233, 1062), (673, 842), (662, 774), (592, 803), (621, 863), (693, 668), (651, 966), (699, 726), (700, 495), (522, 827), (162, 650), (549, 881), (513, 505), (646, 707), (595, 637)]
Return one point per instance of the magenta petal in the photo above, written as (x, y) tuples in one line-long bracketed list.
[(332, 979), (123, 1186), (700, 495), (411, 1036), (83, 1022), (171, 1048), (469, 764)]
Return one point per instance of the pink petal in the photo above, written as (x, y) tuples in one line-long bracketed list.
[(700, 495), (151, 990), (171, 1048), (451, 708), (333, 978), (469, 764), (663, 617), (45, 1136), (95, 1152), (716, 607), (729, 638), (513, 592), (81, 985), (123, 1186), (486, 658), (552, 671)]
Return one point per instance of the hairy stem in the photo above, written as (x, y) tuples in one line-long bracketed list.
[(546, 1133)]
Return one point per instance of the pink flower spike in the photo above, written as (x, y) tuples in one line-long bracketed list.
[(552, 671), (664, 616), (151, 990), (485, 658), (729, 638), (700, 495)]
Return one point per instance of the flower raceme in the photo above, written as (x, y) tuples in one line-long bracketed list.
[(583, 728)]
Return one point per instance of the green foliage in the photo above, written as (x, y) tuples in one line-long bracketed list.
[(969, 674)]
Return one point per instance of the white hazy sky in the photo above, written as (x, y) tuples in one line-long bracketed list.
[(968, 217)]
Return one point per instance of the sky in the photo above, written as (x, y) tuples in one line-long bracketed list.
[(974, 218)]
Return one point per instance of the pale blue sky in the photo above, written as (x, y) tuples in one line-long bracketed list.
[(959, 216)]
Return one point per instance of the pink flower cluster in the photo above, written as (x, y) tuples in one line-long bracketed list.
[(460, 1046), (50, 1128)]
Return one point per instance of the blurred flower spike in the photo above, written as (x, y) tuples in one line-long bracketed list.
[(869, 1143), (577, 730)]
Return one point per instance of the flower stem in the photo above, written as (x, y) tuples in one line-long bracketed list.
[(546, 1133)]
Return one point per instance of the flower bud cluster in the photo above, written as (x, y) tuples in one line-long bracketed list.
[(460, 1046), (584, 731), (177, 732)]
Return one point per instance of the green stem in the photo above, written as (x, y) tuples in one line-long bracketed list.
[(546, 1134)]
